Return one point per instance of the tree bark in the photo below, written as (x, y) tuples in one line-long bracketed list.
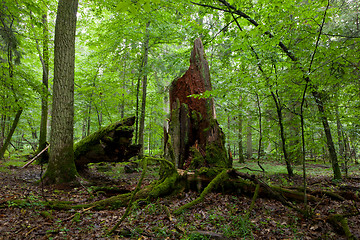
[(11, 132), (249, 150), (327, 131), (44, 96), (61, 167), (240, 136), (144, 75), (282, 134), (196, 139)]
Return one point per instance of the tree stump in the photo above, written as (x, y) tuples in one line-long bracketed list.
[(194, 139)]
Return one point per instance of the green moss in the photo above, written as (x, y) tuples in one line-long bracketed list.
[(62, 169), (221, 177), (198, 160), (165, 187), (340, 221), (209, 172), (216, 156), (83, 145), (47, 215)]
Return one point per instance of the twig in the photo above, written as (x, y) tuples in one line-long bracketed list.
[(129, 207), (72, 216), (32, 160), (256, 193), (214, 183)]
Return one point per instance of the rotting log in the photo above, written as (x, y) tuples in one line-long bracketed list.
[(112, 143)]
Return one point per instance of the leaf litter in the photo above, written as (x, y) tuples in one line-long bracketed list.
[(219, 216)]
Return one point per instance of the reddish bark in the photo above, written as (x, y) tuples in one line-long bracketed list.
[(196, 138)]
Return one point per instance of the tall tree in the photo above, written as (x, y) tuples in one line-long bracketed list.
[(45, 82), (144, 73), (61, 168)]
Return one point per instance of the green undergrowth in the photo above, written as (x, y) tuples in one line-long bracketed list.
[(313, 168)]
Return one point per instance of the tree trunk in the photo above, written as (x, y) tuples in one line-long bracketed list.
[(249, 150), (11, 132), (144, 75), (327, 131), (282, 134), (240, 136), (339, 133), (61, 167), (196, 139), (260, 126), (44, 97)]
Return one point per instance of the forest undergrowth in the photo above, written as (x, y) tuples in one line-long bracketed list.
[(219, 216)]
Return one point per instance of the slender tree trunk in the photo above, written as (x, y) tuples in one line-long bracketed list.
[(260, 125), (303, 144), (11, 132), (240, 136), (44, 96), (61, 167), (249, 150), (327, 131), (122, 105), (144, 87), (88, 124), (2, 131), (339, 133), (282, 134)]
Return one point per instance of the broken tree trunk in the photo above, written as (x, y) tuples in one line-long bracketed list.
[(195, 138), (109, 144)]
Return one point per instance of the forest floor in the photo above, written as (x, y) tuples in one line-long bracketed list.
[(219, 216)]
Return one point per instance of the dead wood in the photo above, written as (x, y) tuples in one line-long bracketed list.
[(109, 144), (194, 138), (340, 225)]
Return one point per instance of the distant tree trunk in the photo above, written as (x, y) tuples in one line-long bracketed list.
[(2, 129), (260, 126), (144, 75), (282, 133), (44, 96), (339, 133), (10, 133), (295, 152), (327, 131), (249, 150), (240, 136), (122, 105), (61, 167), (20, 109)]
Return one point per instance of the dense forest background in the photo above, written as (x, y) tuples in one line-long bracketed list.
[(285, 81), (269, 68)]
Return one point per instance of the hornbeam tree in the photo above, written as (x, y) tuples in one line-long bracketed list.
[(61, 168), (229, 8)]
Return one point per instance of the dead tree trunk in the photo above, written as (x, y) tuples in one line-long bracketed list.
[(195, 138), (109, 144)]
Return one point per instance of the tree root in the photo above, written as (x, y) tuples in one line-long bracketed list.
[(214, 183), (128, 209), (340, 225)]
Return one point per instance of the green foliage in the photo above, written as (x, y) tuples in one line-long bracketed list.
[(110, 37)]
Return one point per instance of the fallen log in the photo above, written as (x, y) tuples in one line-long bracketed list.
[(109, 144)]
